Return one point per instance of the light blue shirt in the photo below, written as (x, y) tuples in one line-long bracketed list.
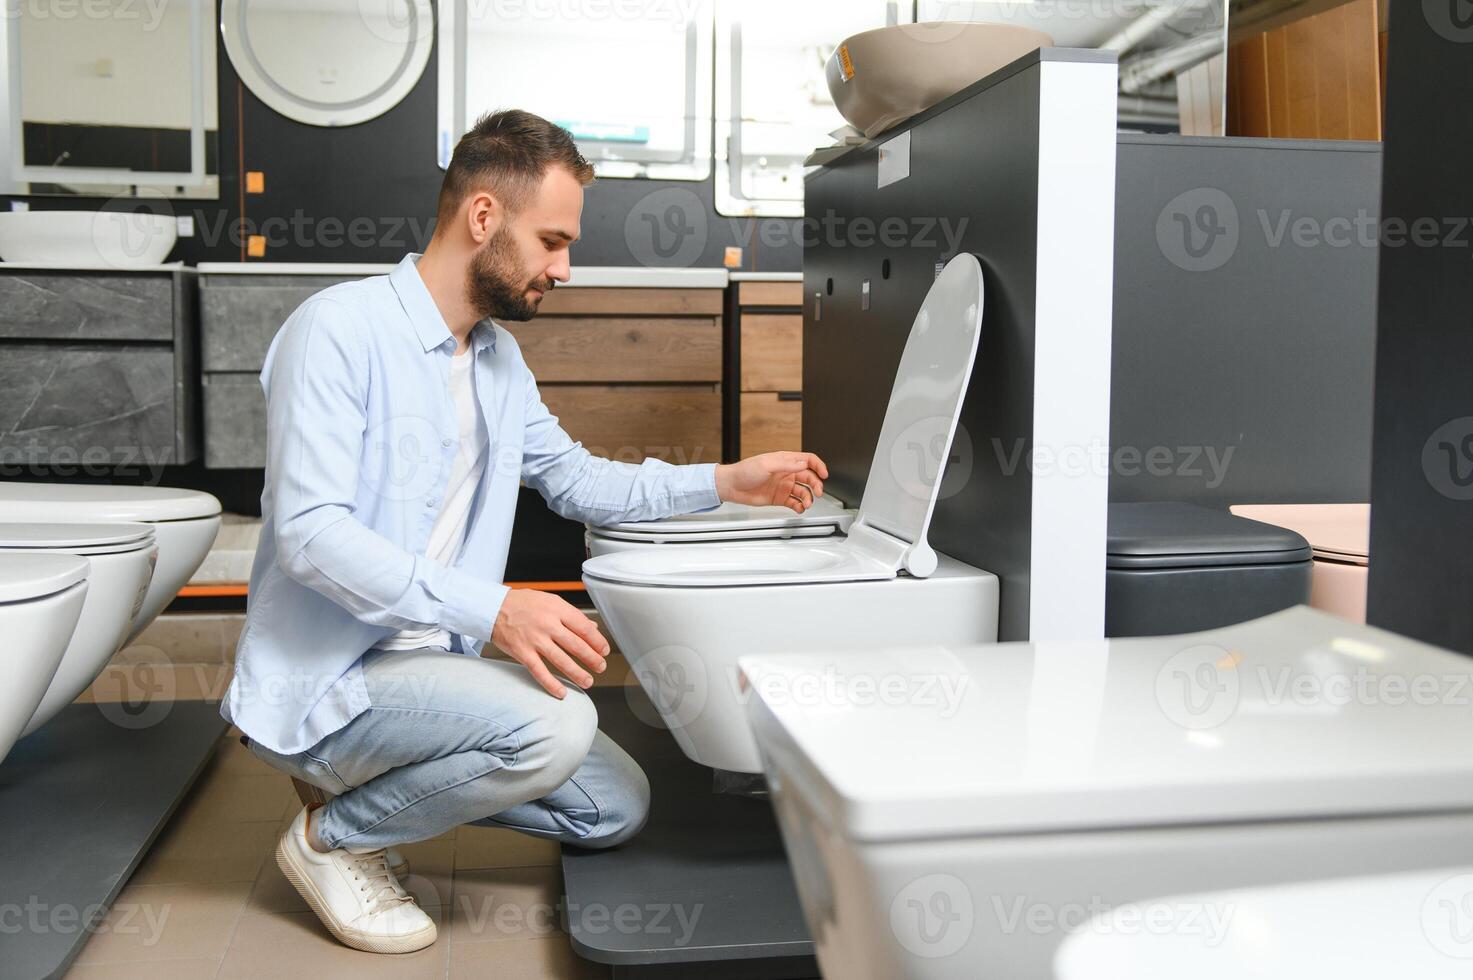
[(361, 437)]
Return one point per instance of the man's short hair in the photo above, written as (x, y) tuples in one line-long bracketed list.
[(508, 153)]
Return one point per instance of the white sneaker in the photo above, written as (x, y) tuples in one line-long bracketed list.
[(354, 894), (307, 793)]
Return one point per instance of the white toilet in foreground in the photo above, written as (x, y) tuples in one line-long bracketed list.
[(185, 523), (826, 519), (953, 812), (41, 597), (1414, 925), (121, 559), (683, 615)]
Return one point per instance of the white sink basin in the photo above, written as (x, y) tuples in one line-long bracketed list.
[(885, 76), (86, 239)]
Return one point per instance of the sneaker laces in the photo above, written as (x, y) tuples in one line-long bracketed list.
[(376, 882)]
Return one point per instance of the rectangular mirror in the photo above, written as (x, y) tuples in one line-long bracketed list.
[(772, 102), (110, 98), (634, 90)]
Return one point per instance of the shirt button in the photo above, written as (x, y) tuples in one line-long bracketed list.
[(445, 443), (430, 502)]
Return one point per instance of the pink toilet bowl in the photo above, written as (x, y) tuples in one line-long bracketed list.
[(1339, 535)]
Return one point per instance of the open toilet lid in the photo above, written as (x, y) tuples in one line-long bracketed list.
[(92, 539), (1264, 720), (82, 502), (26, 577), (826, 516), (889, 530), (925, 405)]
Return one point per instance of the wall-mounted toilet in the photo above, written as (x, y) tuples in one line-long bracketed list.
[(729, 522), (954, 812), (121, 559), (1177, 567), (683, 615), (185, 523), (41, 598), (1403, 925), (1340, 535)]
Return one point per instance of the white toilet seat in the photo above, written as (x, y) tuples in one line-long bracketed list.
[(26, 577), (41, 599), (735, 522), (185, 524), (76, 539), (756, 563), (121, 560), (89, 503)]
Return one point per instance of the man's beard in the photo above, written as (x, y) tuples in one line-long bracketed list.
[(494, 285)]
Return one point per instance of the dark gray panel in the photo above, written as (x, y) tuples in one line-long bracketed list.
[(82, 799), (1243, 374), (239, 315), (235, 421), (90, 405), (720, 853), (984, 187), (1422, 488), (1253, 377), (86, 306)]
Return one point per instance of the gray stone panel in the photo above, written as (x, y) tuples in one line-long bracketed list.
[(89, 405), (240, 314), (235, 421), (86, 306)]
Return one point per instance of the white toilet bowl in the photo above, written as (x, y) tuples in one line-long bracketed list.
[(185, 523), (1411, 925), (683, 615), (1001, 795), (727, 523), (121, 558), (41, 597)]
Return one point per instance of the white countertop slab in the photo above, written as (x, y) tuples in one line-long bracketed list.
[(296, 268), (92, 267), (767, 277), (590, 276)]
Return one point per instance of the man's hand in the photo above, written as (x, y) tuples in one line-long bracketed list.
[(537, 629), (793, 480)]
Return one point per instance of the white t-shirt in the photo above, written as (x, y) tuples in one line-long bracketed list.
[(448, 533)]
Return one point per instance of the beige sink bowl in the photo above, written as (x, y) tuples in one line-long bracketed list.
[(885, 76)]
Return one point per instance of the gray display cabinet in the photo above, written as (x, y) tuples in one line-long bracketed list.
[(99, 367), (240, 312)]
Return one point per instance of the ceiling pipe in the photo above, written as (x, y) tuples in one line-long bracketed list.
[(1139, 71), (1142, 110), (1141, 28)]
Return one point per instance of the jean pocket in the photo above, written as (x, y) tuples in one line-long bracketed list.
[(320, 772)]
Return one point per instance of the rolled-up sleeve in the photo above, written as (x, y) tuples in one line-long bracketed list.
[(581, 486), (316, 383)]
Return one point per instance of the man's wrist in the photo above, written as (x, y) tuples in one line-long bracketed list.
[(721, 476)]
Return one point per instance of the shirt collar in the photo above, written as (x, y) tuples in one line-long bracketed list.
[(425, 316)]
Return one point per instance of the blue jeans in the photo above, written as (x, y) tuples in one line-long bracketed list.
[(450, 739)]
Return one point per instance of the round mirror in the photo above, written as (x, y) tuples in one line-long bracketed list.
[(331, 62)]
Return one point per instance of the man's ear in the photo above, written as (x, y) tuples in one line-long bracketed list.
[(483, 216)]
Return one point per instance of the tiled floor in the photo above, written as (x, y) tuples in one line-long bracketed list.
[(209, 901)]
